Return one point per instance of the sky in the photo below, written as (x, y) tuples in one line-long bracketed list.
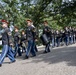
[(67, 0)]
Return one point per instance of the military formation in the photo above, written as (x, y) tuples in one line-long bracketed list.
[(14, 45)]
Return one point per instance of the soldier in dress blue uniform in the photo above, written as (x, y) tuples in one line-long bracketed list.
[(74, 32), (30, 39), (66, 35), (53, 38), (57, 38), (61, 37), (6, 43), (23, 41), (35, 36), (17, 38), (70, 35), (47, 32)]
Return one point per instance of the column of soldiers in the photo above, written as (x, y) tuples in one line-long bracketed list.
[(66, 37), (26, 41)]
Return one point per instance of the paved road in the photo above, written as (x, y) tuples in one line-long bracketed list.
[(60, 61)]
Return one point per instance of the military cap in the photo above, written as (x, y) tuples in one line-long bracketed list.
[(4, 21), (46, 22), (29, 20)]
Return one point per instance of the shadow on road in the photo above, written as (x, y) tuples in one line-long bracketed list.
[(66, 54)]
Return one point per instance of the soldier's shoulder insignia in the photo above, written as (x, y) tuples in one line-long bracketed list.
[(45, 29), (9, 33)]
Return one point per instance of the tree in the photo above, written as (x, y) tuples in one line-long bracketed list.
[(18, 11)]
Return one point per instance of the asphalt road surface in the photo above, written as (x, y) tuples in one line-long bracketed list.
[(60, 61)]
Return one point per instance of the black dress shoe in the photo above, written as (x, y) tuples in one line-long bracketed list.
[(0, 65), (45, 52), (26, 57), (33, 55), (14, 56), (49, 51), (19, 55)]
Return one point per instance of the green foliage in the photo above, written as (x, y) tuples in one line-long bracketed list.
[(57, 13)]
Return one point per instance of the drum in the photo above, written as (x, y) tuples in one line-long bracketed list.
[(44, 39)]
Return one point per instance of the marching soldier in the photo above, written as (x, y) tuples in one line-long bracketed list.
[(74, 32), (6, 42), (17, 38), (53, 38), (66, 36), (35, 36), (62, 37), (30, 39), (58, 38), (70, 35), (23, 41), (47, 32)]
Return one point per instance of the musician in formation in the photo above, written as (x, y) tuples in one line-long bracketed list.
[(46, 37), (18, 42)]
